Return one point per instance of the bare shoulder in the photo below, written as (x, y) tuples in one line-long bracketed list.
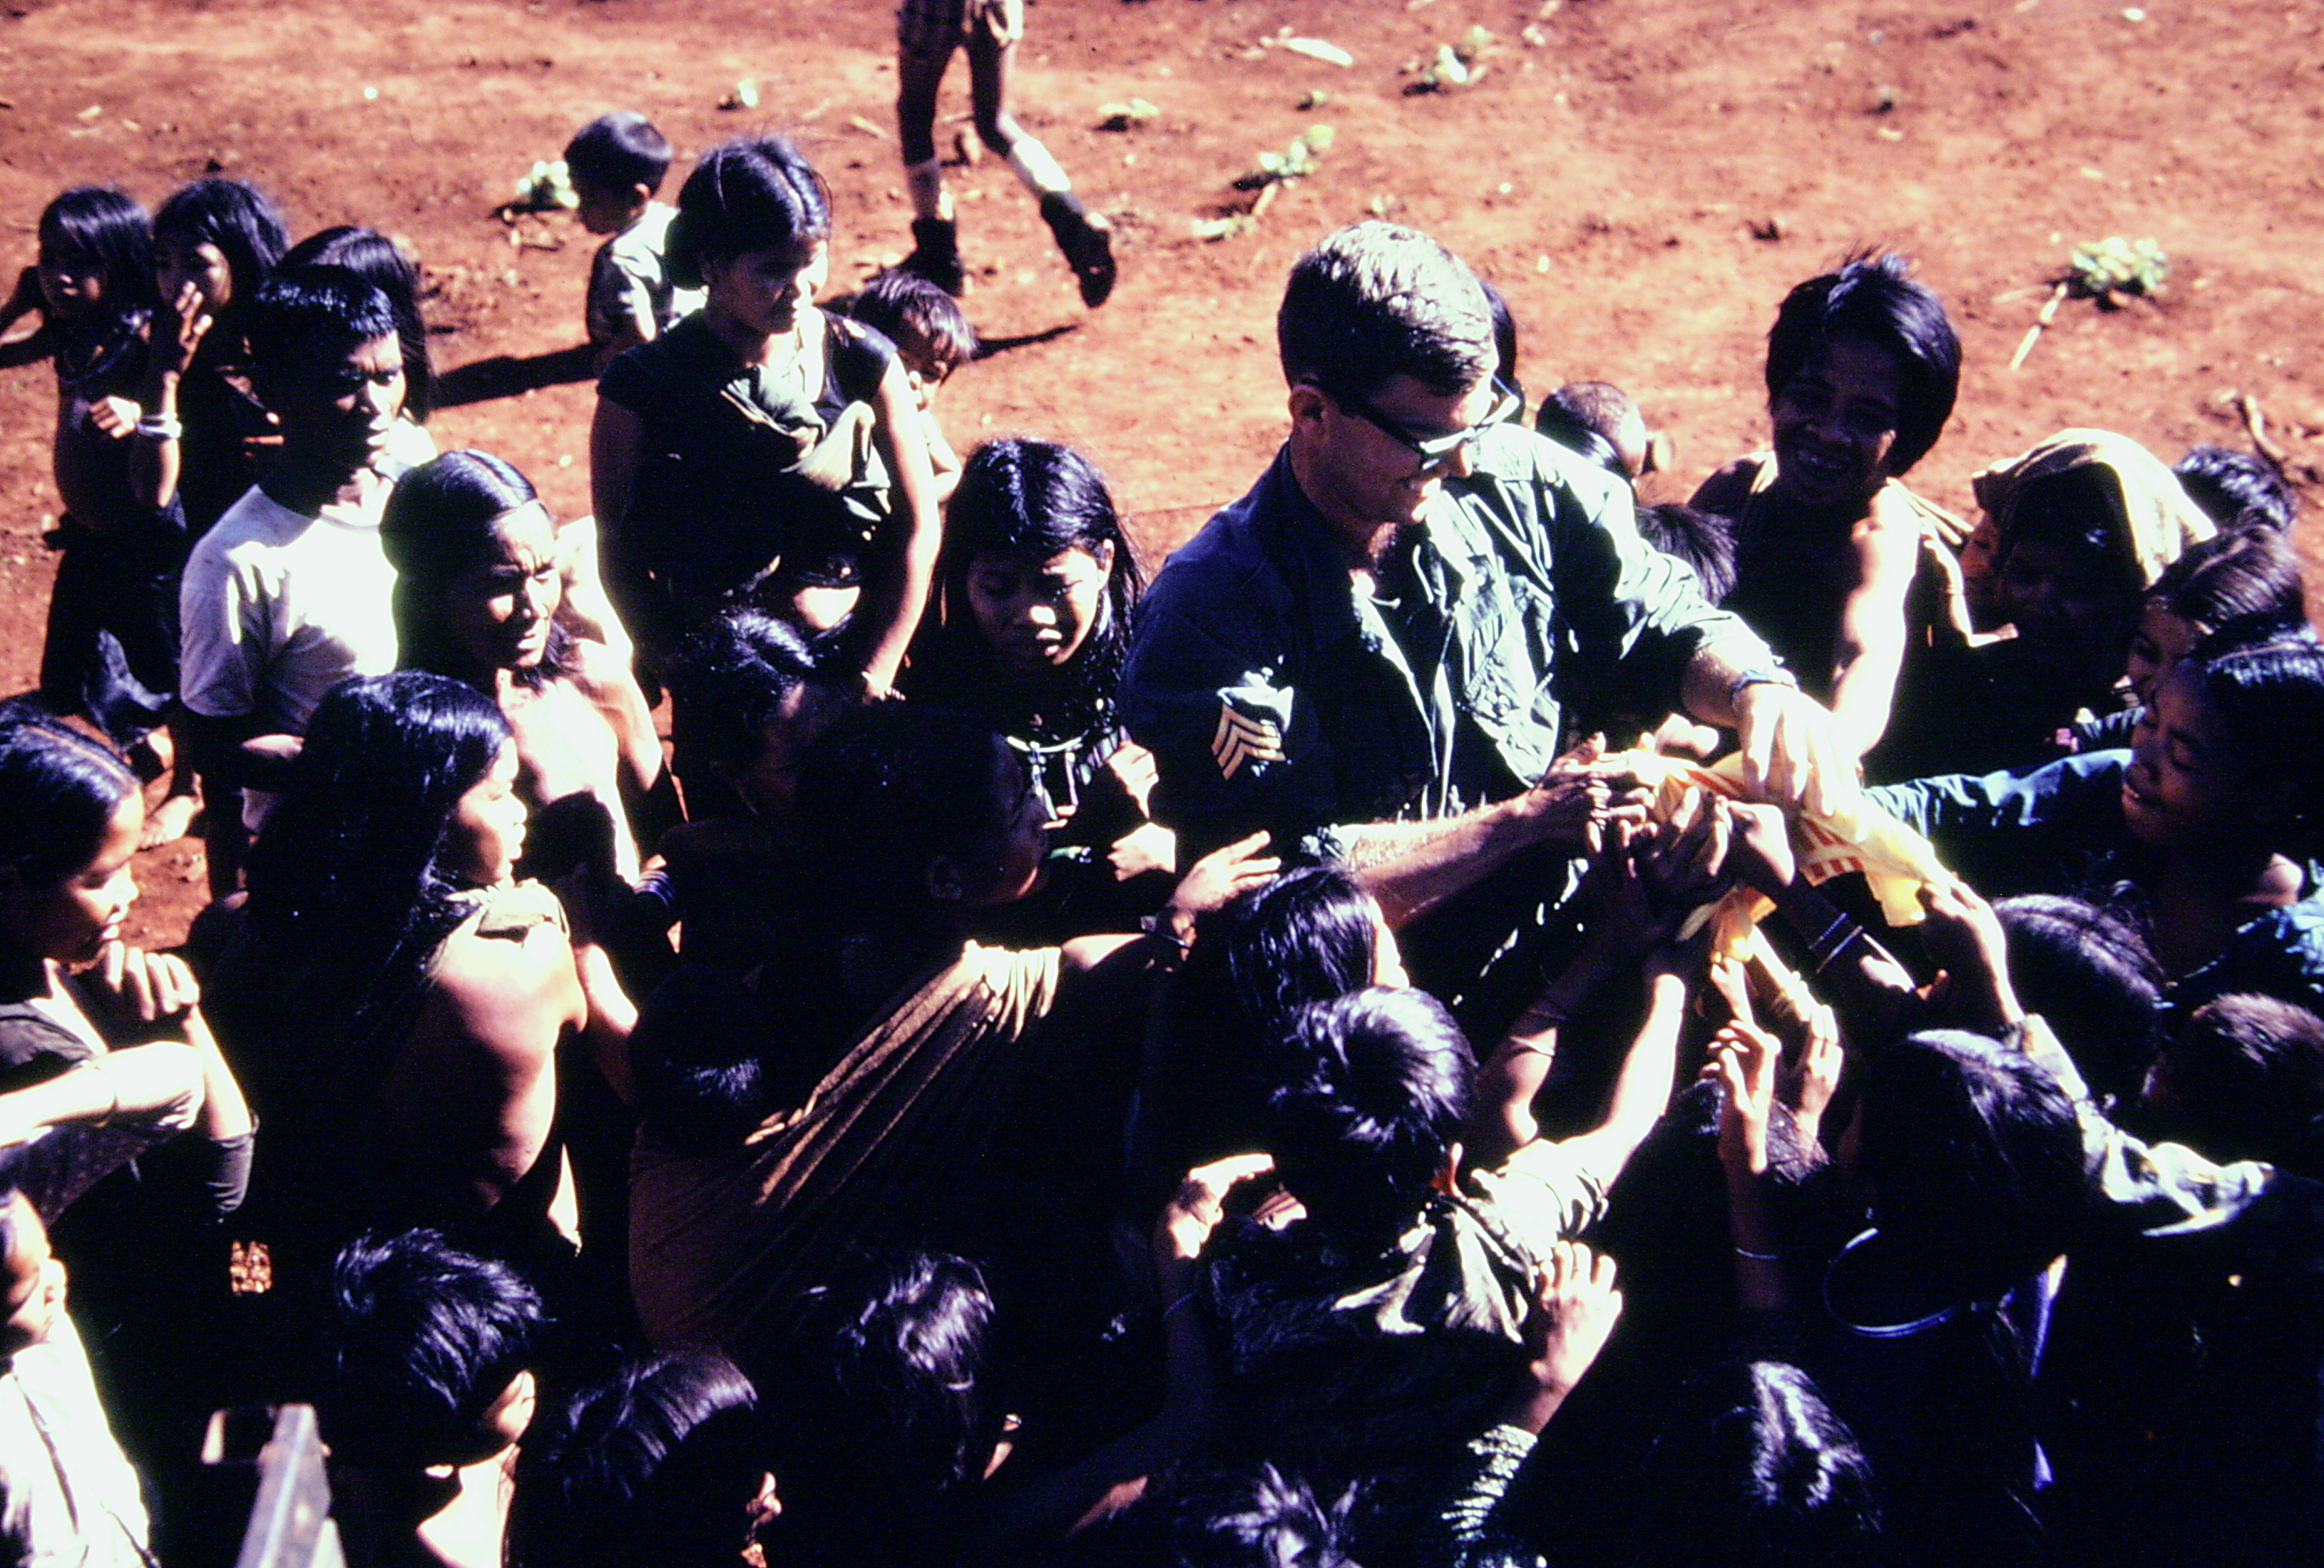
[(513, 988), (1726, 490)]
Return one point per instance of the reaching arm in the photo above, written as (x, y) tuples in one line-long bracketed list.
[(892, 603), (1411, 867), (22, 343), (237, 752), (178, 328), (617, 438), (135, 1083), (1791, 752), (1870, 651)]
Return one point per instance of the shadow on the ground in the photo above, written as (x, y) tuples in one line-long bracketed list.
[(505, 376)]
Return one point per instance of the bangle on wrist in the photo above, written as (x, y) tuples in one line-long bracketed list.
[(1161, 925), (161, 428)]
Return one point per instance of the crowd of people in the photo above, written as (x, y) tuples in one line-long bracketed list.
[(819, 1016)]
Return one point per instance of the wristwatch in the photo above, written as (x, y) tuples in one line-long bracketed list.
[(1760, 674)]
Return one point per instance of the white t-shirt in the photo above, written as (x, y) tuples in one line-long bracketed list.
[(277, 608)]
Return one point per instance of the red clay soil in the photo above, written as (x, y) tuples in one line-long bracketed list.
[(1642, 178)]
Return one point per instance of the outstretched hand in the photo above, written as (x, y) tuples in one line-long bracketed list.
[(1575, 1307), (1195, 1211), (1211, 882), (1966, 939), (1792, 751), (1583, 800), (1743, 1061), (180, 329)]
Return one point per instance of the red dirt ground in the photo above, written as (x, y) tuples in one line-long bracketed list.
[(1608, 171)]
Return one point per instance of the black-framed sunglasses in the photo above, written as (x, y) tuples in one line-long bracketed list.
[(1435, 450)]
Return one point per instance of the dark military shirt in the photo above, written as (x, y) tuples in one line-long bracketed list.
[(1276, 694)]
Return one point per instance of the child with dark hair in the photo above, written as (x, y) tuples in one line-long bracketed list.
[(2246, 583), (1308, 935), (1772, 1478), (1385, 1325), (762, 451), (617, 163), (120, 554), (884, 1418), (1862, 369), (662, 1461), (1034, 597), (1600, 421), (2242, 1078), (2077, 532), (927, 34), (2237, 489), (426, 1384), (477, 592), (934, 338), (1703, 542), (106, 1059), (215, 243), (2086, 968), (748, 698), (290, 594), (2210, 820)]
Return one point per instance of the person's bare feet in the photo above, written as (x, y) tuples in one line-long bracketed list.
[(170, 821)]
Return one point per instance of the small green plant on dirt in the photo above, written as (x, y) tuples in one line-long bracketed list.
[(2109, 272), (1296, 161), (1125, 116), (2115, 265), (1454, 65), (546, 187)]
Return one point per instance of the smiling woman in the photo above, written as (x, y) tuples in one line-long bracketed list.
[(1862, 369)]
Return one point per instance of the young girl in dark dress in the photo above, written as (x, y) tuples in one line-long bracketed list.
[(1034, 592), (121, 555), (760, 450)]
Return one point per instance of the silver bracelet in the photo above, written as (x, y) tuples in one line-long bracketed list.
[(162, 427)]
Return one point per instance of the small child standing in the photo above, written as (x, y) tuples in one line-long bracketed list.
[(933, 338), (617, 163), (926, 32), (93, 289)]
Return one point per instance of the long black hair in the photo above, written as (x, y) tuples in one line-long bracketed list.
[(439, 522), (1037, 499), (381, 262), (97, 227), (747, 195), (245, 227), (59, 790), (348, 893)]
